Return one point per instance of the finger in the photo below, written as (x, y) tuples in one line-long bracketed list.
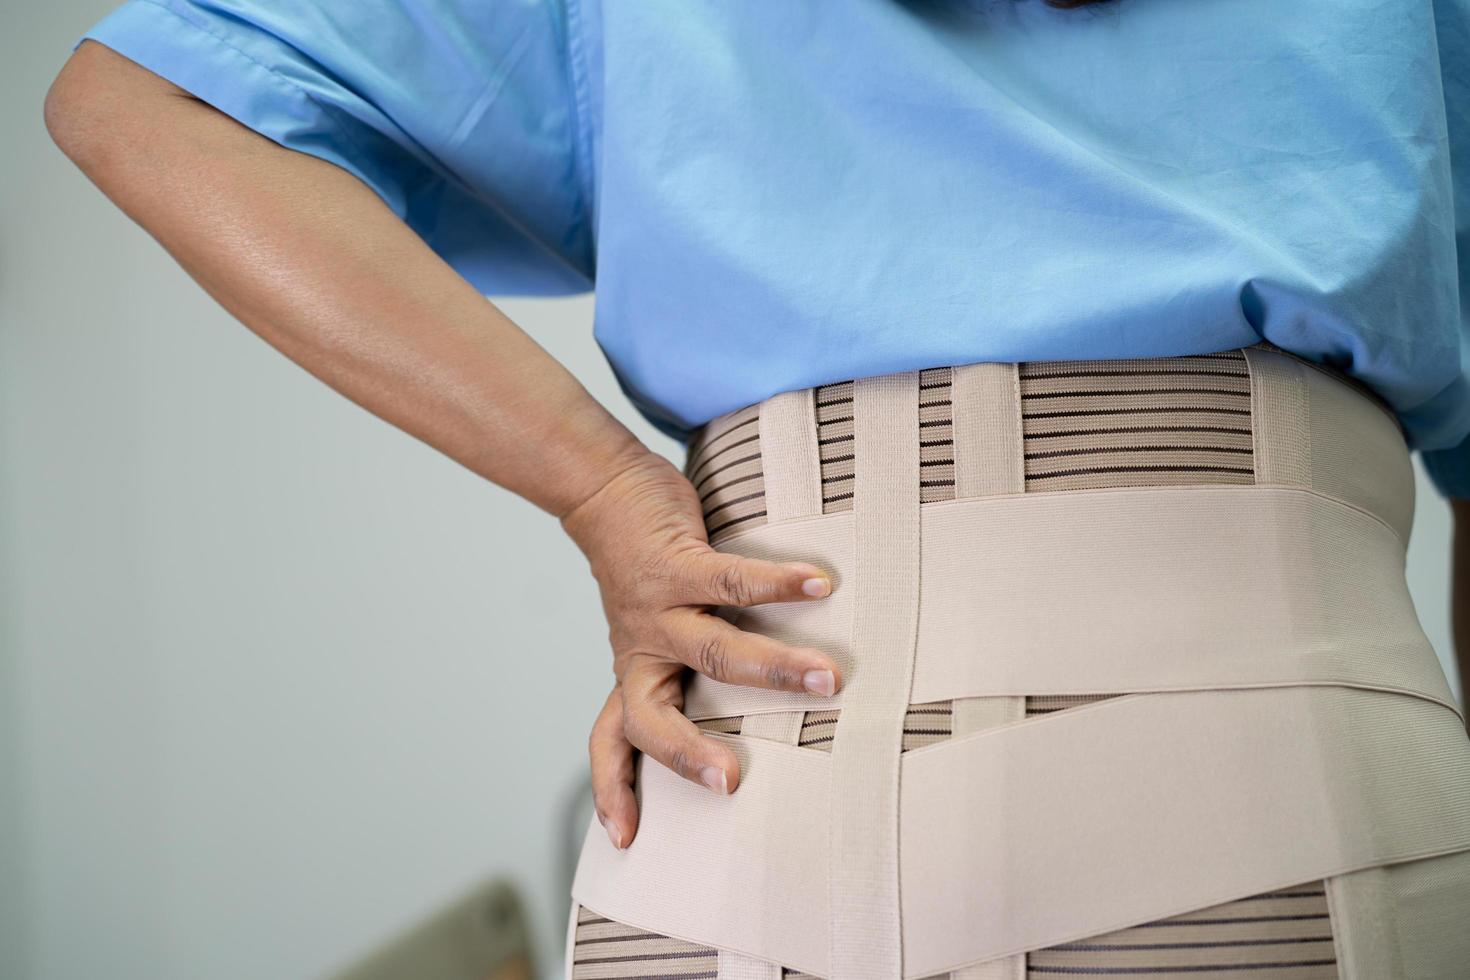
[(612, 773), (710, 577), (653, 723), (724, 652)]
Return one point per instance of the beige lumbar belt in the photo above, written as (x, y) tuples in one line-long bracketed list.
[(1120, 591), (1284, 720), (1053, 829)]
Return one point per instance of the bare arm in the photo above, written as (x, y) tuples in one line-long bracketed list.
[(313, 261)]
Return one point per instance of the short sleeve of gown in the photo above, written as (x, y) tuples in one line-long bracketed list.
[(462, 115), (1449, 468)]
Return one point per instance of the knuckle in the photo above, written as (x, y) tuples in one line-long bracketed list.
[(634, 728), (640, 678), (712, 657), (679, 761), (624, 651), (781, 675), (641, 674), (732, 586)]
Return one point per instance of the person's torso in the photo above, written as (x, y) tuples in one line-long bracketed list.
[(794, 193)]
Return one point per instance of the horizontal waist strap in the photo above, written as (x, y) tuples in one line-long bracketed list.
[(1052, 829), (1254, 416), (1116, 591)]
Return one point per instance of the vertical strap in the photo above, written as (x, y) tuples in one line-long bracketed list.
[(1280, 419), (792, 474), (973, 715), (863, 884), (1005, 968), (986, 401), (993, 439), (790, 463), (777, 726), (992, 444), (978, 714), (1364, 938), (738, 966)]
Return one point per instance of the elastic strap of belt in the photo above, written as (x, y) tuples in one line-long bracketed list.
[(974, 715), (738, 966), (777, 726), (1005, 968), (865, 937), (986, 405), (790, 466), (1280, 419), (1000, 863)]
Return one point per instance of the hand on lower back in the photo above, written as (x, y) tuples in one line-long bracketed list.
[(644, 536), (314, 261)]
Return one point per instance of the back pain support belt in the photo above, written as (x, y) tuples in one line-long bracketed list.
[(1210, 548)]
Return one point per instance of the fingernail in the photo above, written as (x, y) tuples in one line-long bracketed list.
[(615, 835), (816, 587), (819, 682), (714, 778)]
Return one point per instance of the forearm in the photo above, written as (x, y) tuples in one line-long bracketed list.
[(314, 262)]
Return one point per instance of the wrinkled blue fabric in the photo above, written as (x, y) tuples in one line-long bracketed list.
[(772, 194)]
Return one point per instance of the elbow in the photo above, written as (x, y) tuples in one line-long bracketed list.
[(96, 108), (72, 109)]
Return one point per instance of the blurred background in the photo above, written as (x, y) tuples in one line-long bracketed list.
[(279, 685)]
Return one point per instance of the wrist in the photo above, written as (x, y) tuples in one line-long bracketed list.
[(584, 448), (587, 515)]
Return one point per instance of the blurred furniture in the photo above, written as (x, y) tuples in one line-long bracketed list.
[(483, 935)]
